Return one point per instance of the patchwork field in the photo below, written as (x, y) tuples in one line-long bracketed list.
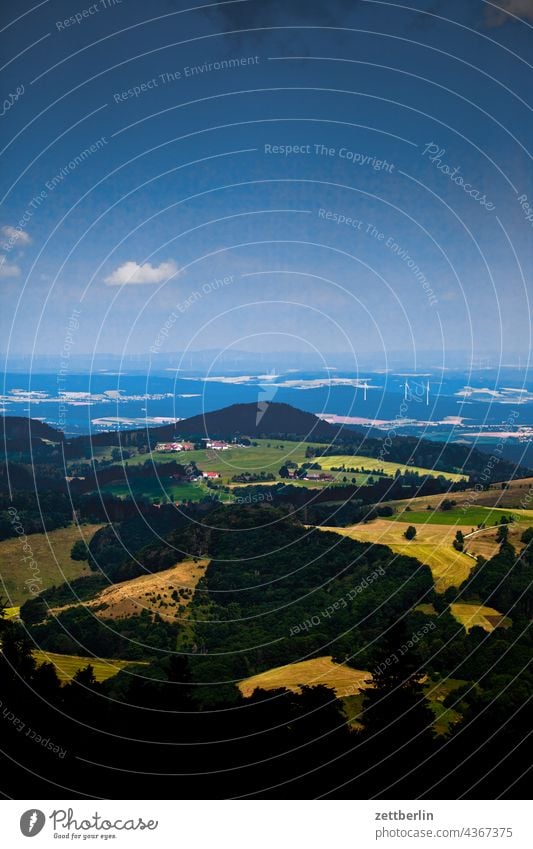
[(68, 664), (166, 593), (267, 456), (343, 680), (471, 615), (433, 545), (51, 553)]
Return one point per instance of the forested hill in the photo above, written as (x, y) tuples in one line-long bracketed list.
[(21, 429), (253, 420)]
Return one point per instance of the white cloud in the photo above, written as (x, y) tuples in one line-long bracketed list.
[(502, 11), (8, 269), (13, 236), (132, 273)]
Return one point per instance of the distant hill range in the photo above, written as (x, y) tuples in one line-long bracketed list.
[(33, 442)]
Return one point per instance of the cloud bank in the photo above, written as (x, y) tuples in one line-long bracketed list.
[(13, 236), (132, 273)]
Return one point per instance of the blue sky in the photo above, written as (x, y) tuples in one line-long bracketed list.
[(313, 162)]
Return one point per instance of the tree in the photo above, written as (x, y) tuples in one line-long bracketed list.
[(459, 541), (447, 504), (79, 551), (502, 533), (410, 533), (284, 472), (527, 536)]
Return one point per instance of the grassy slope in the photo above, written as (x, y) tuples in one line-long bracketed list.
[(389, 468), (152, 592), (347, 684), (467, 515), (51, 553), (343, 680)]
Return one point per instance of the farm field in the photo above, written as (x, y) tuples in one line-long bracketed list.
[(518, 494), (433, 545), (470, 515), (343, 680), (470, 615), (51, 553), (158, 489), (68, 664), (436, 692), (269, 455), (347, 684), (153, 592)]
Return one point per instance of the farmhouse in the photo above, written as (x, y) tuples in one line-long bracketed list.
[(169, 447), (210, 475), (216, 444)]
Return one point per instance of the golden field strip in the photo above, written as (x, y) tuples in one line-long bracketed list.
[(433, 546), (343, 680), (66, 665), (152, 592)]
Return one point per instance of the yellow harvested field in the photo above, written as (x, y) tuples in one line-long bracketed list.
[(470, 615), (343, 680), (68, 664), (433, 545), (357, 461), (151, 592)]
